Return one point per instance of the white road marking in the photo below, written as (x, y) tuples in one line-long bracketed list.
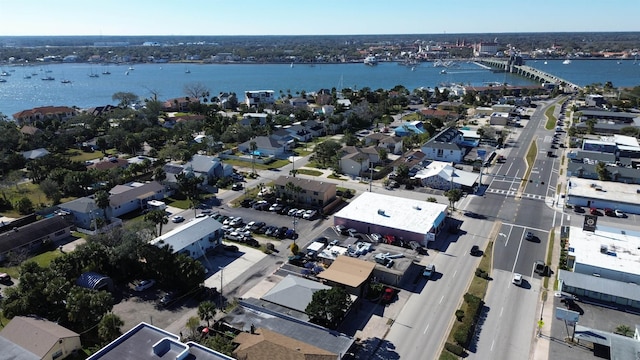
[(425, 329)]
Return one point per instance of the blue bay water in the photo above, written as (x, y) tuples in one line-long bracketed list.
[(169, 80)]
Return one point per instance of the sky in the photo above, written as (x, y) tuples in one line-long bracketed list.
[(321, 17)]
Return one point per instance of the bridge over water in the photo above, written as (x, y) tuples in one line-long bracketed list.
[(510, 66)]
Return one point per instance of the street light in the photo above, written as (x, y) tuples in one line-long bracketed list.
[(295, 221), (370, 177)]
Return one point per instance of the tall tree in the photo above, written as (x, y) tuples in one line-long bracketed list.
[(454, 195), (328, 307), (206, 311), (157, 217), (102, 201), (109, 327)]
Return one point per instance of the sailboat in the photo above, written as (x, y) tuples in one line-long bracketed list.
[(187, 71), (93, 74), (106, 71)]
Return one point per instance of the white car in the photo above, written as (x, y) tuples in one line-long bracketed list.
[(144, 285), (236, 222), (619, 213), (309, 214), (517, 279), (177, 219)]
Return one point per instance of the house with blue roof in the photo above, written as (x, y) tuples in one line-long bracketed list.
[(409, 128)]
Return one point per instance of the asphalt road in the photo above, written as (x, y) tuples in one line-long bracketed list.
[(510, 319)]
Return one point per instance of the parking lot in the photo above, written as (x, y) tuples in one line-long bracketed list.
[(596, 316)]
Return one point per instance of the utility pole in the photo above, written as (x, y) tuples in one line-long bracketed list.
[(370, 177), (221, 293)]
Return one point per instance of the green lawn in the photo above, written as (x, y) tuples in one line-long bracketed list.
[(531, 158), (82, 156), (309, 172), (29, 190)]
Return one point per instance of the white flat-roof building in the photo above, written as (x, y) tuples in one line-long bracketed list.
[(607, 253), (413, 220), (193, 238), (603, 194)]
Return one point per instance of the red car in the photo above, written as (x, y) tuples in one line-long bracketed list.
[(594, 211), (387, 295)]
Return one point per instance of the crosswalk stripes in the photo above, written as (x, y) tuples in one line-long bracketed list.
[(513, 193)]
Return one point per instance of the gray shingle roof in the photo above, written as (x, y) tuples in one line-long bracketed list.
[(294, 292)]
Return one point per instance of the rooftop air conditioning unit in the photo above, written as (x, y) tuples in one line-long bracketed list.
[(380, 211), (604, 249)]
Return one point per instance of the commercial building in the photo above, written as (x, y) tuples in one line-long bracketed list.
[(603, 194), (605, 265), (412, 220)]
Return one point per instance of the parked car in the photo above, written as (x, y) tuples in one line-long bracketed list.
[(168, 299), (5, 278), (144, 285), (284, 210), (236, 222), (292, 212), (619, 213), (309, 214), (578, 209), (529, 236), (341, 229), (256, 226), (594, 211), (376, 238), (387, 295), (236, 186), (177, 219), (299, 213), (609, 212), (539, 267), (275, 207)]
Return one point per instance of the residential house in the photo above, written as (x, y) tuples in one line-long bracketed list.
[(124, 199), (84, 211), (263, 343), (283, 136), (35, 153), (27, 338), (409, 128), (443, 176), (315, 128), (193, 238), (249, 119), (179, 104), (110, 163), (31, 237), (62, 113), (358, 161), (449, 105), (345, 103), (265, 146), (205, 166), (29, 130), (299, 103), (299, 132), (323, 97), (101, 110), (443, 115), (272, 334), (391, 143), (412, 160), (147, 342), (257, 98), (305, 191), (445, 146), (227, 101)]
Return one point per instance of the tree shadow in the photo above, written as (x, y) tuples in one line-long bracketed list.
[(473, 344), (375, 348)]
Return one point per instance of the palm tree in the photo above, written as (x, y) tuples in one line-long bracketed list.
[(253, 146), (102, 201), (206, 311), (157, 217)]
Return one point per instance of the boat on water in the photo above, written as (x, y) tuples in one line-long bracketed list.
[(3, 80), (443, 71), (106, 72), (65, 81), (48, 78), (371, 60), (93, 75), (4, 73), (566, 62), (131, 68), (27, 76)]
